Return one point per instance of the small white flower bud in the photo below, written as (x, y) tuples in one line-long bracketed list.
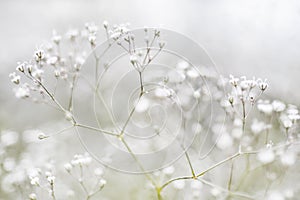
[(39, 55), (231, 99), (92, 39), (29, 69), (56, 38), (133, 59), (263, 85), (197, 94), (68, 167), (287, 123), (98, 172), (68, 116), (161, 44), (21, 67), (14, 78), (102, 182), (56, 73), (51, 179), (169, 170), (146, 29), (233, 80), (35, 181), (42, 136), (32, 196), (105, 24)]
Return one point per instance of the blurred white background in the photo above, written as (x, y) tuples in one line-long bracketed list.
[(254, 37)]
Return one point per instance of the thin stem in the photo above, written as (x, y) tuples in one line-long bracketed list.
[(204, 172), (244, 115), (141, 83), (137, 160), (225, 190), (190, 164), (130, 115), (70, 107), (220, 163), (230, 178), (49, 93), (81, 180), (96, 129)]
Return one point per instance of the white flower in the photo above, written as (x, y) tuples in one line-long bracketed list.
[(32, 196), (192, 73), (263, 84), (133, 59), (196, 185), (252, 83), (9, 164), (278, 106), (68, 167), (68, 116), (42, 136), (142, 105), (224, 141), (105, 24), (81, 159), (275, 195), (287, 123), (91, 27), (257, 127), (102, 182), (293, 113), (35, 181), (289, 193), (237, 133), (169, 170), (56, 38), (234, 81), (182, 65), (52, 60), (179, 185), (39, 55), (161, 44), (14, 78), (22, 91), (92, 39), (215, 192), (197, 94), (231, 99), (98, 171), (51, 179), (244, 83), (265, 107), (21, 67), (162, 92), (288, 158), (9, 138), (266, 156), (72, 34), (37, 73)]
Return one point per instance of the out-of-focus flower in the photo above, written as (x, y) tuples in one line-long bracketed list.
[(35, 181), (266, 156), (169, 170), (265, 107), (263, 84), (233, 80), (14, 78), (278, 106), (32, 196), (23, 91)]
